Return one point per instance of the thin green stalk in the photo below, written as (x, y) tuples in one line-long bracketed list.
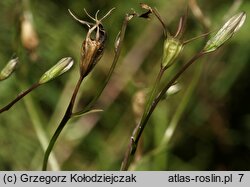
[(68, 114), (62, 101), (118, 48), (181, 107), (140, 127), (153, 94), (164, 90), (20, 96), (175, 119), (65, 119)]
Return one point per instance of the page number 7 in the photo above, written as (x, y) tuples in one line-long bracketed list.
[(241, 176)]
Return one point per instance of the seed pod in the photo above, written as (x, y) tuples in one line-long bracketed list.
[(226, 32), (61, 67), (93, 45), (9, 68), (92, 49), (172, 49)]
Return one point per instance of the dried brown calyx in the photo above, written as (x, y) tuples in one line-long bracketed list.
[(94, 43)]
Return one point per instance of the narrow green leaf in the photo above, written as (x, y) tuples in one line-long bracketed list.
[(82, 113)]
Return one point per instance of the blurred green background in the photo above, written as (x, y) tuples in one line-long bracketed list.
[(211, 112)]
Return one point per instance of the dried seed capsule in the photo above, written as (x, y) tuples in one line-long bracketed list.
[(93, 45), (226, 32), (92, 49), (9, 68), (61, 67)]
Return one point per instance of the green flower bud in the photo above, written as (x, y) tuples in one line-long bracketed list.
[(226, 32), (172, 49), (175, 88), (61, 67), (9, 68)]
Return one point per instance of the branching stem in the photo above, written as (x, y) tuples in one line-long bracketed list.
[(65, 119), (69, 114), (118, 48), (140, 127)]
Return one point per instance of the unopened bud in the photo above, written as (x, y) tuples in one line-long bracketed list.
[(172, 49), (174, 89), (9, 68), (28, 34), (226, 32), (61, 67)]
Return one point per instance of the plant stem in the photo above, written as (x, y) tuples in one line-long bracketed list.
[(153, 93), (68, 114), (181, 107), (20, 96), (111, 70), (140, 127), (65, 119), (39, 130), (163, 147)]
